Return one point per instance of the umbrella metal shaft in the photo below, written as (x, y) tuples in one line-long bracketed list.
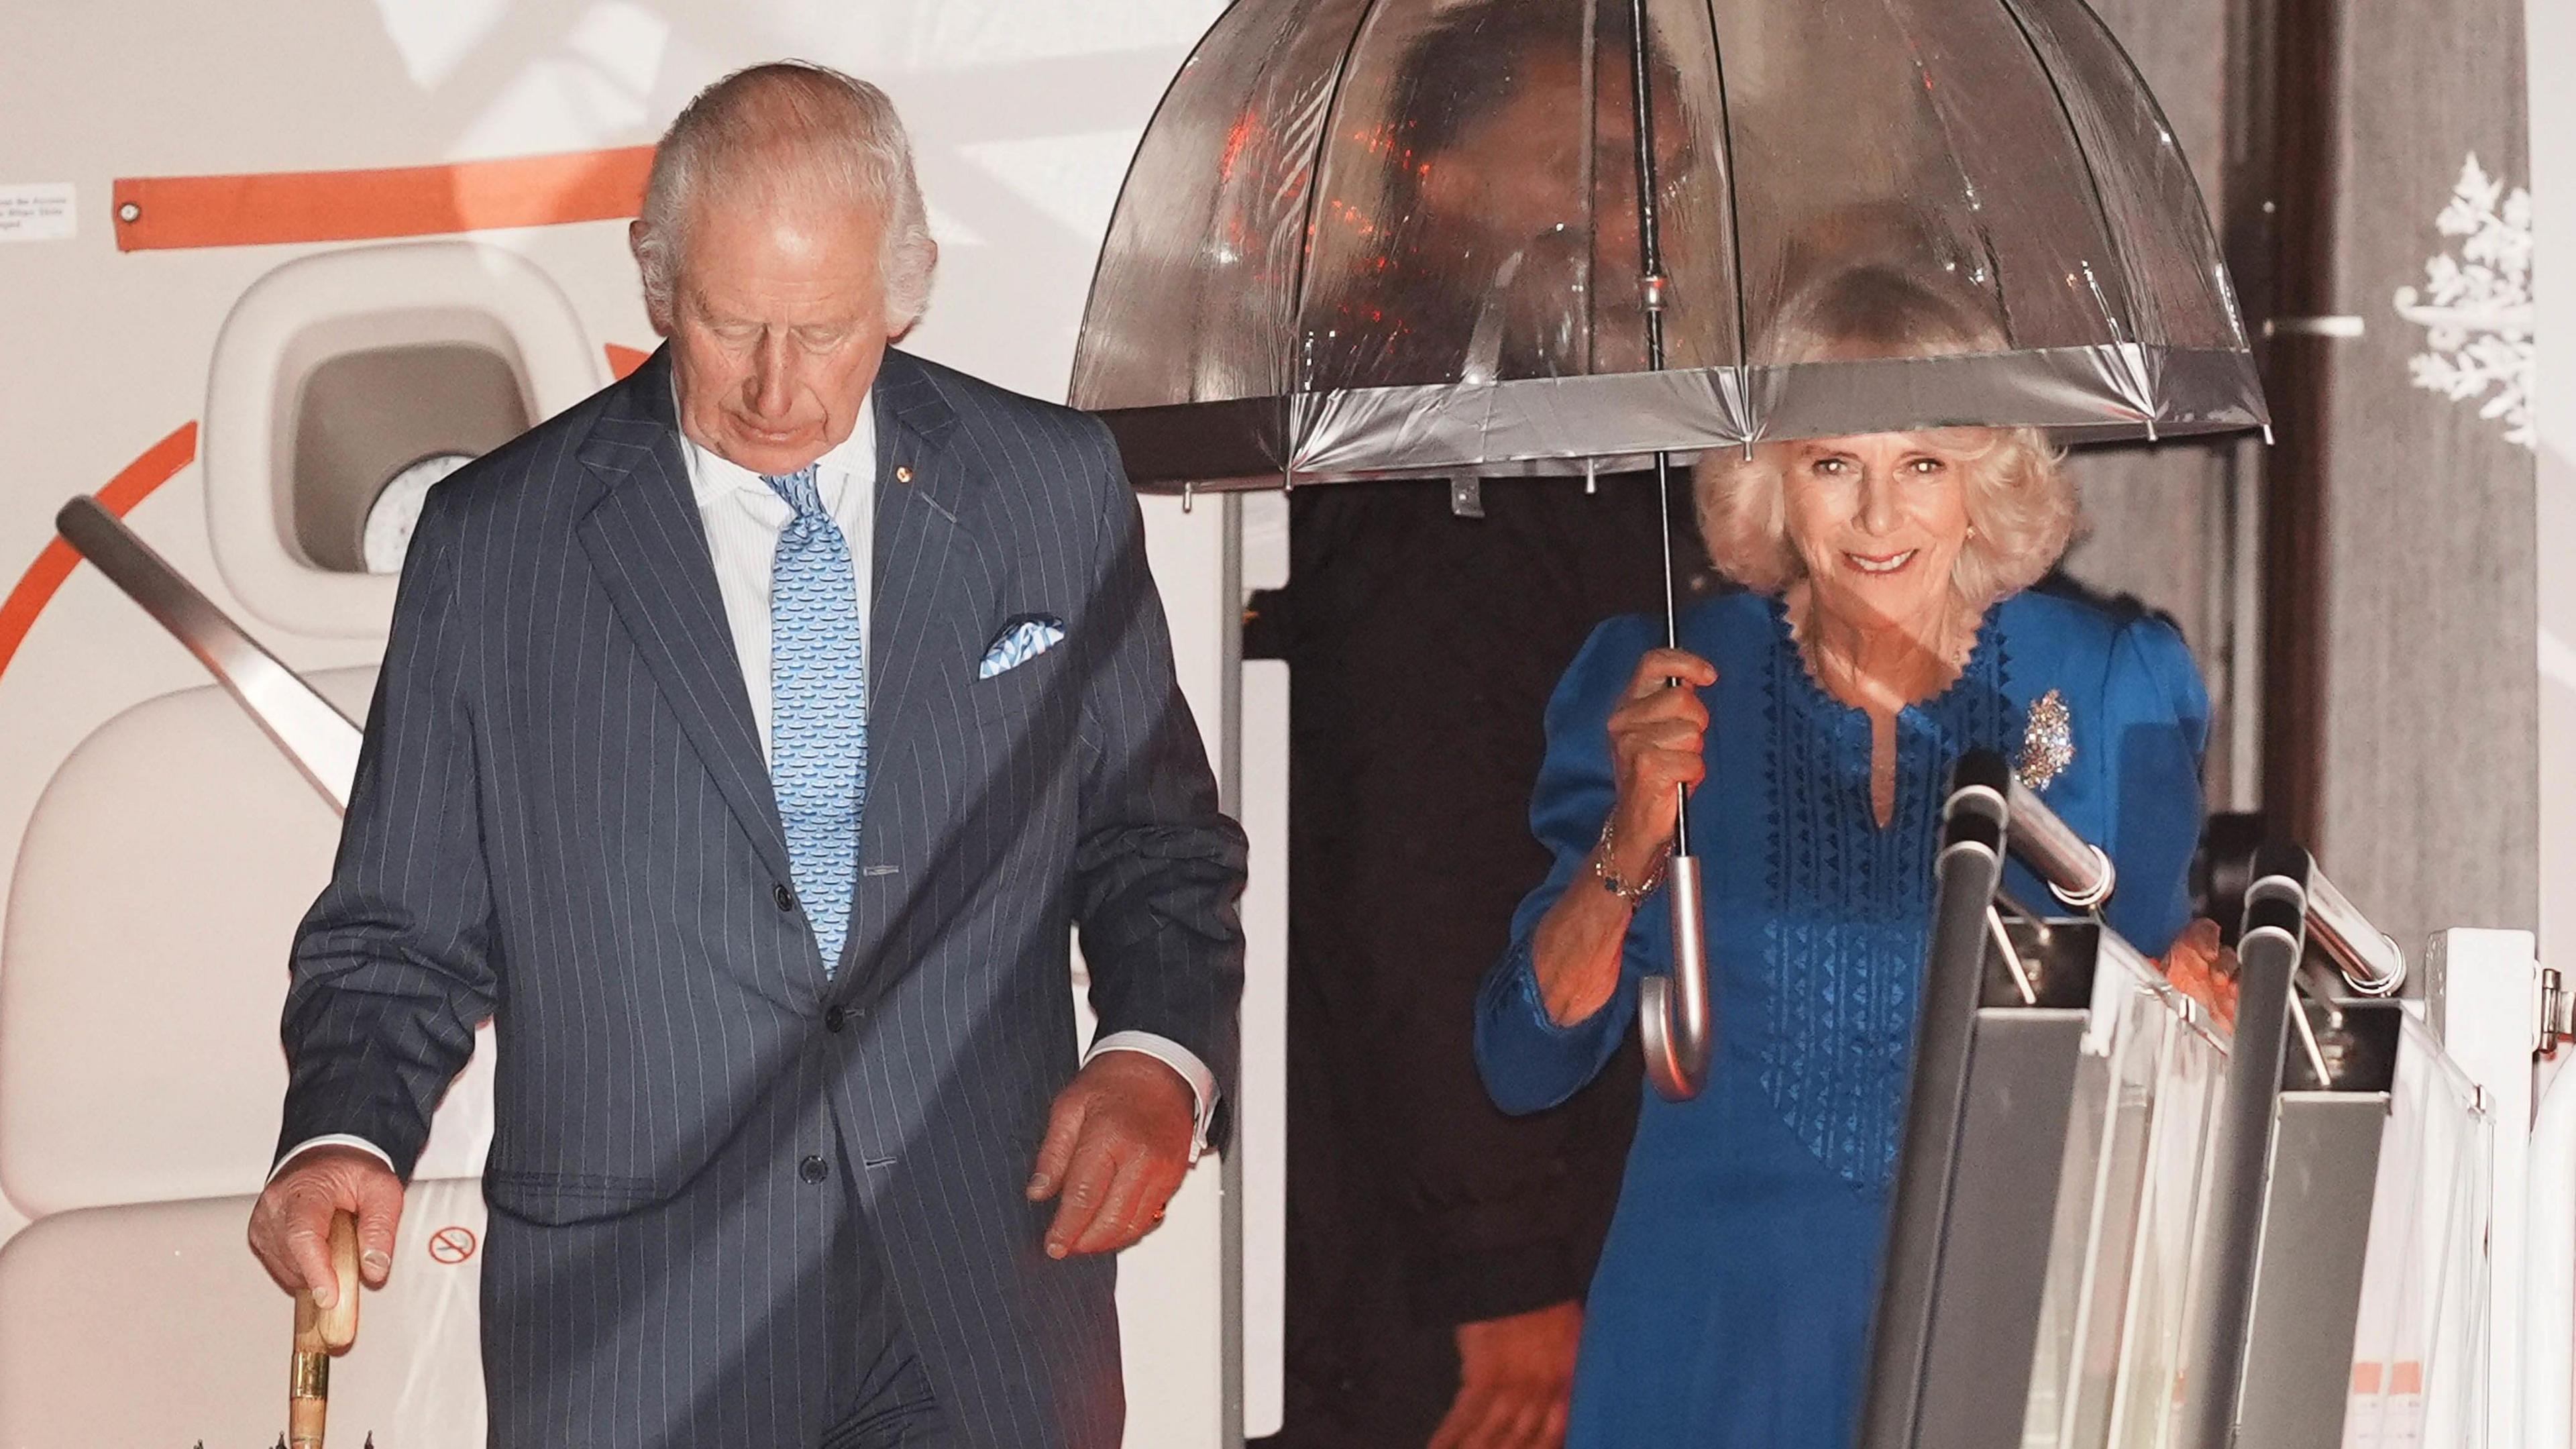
[(1676, 1020), (1650, 258)]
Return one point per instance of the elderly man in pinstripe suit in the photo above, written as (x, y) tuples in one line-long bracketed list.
[(765, 866)]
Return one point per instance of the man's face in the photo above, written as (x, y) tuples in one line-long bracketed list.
[(777, 327), (1516, 171), (1515, 183)]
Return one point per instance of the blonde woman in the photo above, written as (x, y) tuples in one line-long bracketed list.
[(1886, 628)]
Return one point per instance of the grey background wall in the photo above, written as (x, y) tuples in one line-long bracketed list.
[(2423, 632), (2551, 32), (2430, 750)]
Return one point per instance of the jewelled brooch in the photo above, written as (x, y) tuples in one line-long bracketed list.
[(2047, 742)]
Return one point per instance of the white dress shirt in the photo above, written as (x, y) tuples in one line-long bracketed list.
[(744, 517)]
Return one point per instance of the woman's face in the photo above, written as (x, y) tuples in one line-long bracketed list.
[(1879, 520)]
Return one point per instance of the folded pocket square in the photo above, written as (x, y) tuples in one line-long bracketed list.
[(1021, 640)]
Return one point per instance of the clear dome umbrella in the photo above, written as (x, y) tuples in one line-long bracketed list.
[(1431, 238)]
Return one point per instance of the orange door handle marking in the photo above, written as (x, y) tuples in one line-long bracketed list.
[(155, 213)]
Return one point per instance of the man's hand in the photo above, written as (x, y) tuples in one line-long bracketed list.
[(1515, 1379), (2204, 970), (290, 1226), (1117, 1146)]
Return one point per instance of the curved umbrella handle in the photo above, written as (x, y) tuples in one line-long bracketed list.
[(1674, 1017)]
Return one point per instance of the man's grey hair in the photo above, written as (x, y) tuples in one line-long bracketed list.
[(803, 127)]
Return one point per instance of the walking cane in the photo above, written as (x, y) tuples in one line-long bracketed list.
[(320, 1333)]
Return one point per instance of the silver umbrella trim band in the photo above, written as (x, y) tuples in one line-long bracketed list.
[(1543, 425)]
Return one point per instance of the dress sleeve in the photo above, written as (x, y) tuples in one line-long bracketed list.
[(1529, 1061), (2154, 695)]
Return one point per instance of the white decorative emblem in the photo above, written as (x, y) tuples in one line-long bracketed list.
[(2476, 306)]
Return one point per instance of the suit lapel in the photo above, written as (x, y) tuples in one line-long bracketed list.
[(934, 586), (930, 572), (649, 549)]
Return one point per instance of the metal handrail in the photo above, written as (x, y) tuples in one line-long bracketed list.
[(2368, 957), (2273, 940), (2549, 1309), (1966, 872), (2075, 869), (309, 729), (1990, 816), (2082, 876), (2288, 904)]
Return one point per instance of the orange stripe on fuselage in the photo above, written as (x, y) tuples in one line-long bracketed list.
[(324, 206), (55, 562)]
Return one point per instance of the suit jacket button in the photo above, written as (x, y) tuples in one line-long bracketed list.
[(836, 1018), (785, 898), (813, 1169)]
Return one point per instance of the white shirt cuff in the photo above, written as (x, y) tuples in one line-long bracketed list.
[(1180, 1059), (333, 1139)]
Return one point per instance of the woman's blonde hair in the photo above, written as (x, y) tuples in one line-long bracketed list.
[(2021, 504)]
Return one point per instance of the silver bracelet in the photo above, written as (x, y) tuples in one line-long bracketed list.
[(1630, 894)]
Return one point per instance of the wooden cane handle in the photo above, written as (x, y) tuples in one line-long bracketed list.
[(319, 1333), (333, 1329)]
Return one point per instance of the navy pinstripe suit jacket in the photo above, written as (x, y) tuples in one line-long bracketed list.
[(562, 820)]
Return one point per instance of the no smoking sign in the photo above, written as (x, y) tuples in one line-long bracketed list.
[(452, 1245)]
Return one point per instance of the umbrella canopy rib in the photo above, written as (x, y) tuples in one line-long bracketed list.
[(1324, 134), (2224, 284), (1100, 265), (2129, 272), (1957, 155), (1734, 203)]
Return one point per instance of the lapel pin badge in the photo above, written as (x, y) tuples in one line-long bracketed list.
[(902, 473)]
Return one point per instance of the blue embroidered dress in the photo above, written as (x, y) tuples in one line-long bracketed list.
[(1732, 1303)]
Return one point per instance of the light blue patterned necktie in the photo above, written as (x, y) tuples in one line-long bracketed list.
[(818, 691)]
